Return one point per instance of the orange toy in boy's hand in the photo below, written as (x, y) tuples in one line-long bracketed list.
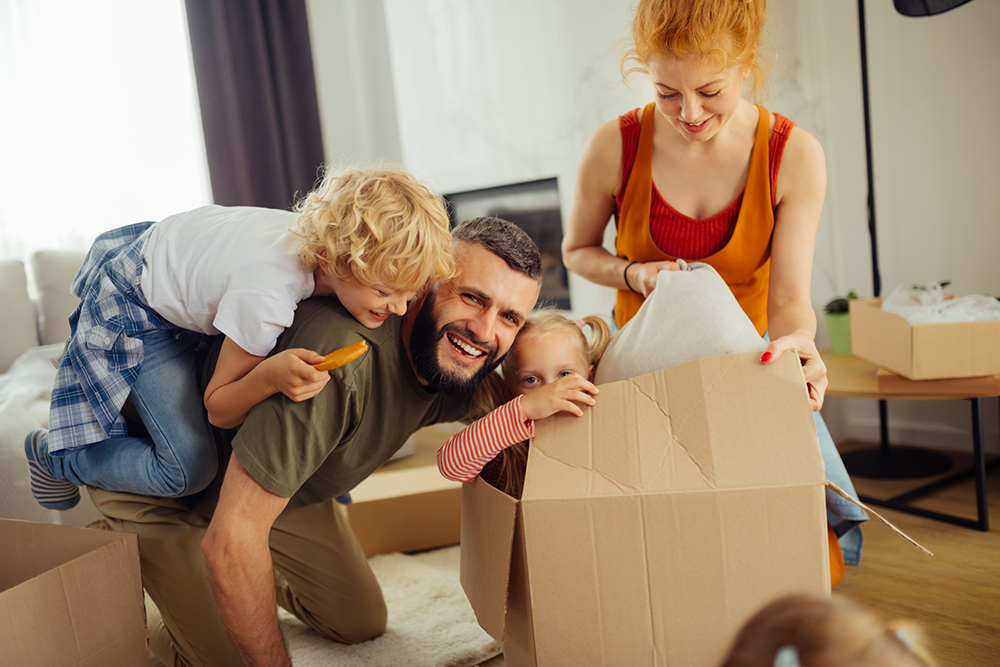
[(344, 355)]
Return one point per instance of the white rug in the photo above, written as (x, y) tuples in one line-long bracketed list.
[(430, 623)]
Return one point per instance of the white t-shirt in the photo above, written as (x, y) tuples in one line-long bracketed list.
[(231, 270)]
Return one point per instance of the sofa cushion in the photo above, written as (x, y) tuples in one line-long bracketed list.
[(19, 330), (53, 271)]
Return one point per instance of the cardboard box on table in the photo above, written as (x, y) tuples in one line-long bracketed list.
[(70, 596), (923, 351), (654, 526)]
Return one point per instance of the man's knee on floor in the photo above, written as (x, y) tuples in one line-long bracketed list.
[(361, 623)]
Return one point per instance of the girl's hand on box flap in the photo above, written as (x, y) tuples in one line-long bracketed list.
[(561, 395), (801, 342)]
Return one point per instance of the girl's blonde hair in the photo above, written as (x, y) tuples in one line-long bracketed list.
[(377, 224), (722, 32), (826, 632), (544, 323)]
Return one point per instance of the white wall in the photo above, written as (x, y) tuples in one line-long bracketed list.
[(492, 92), (353, 81), (932, 88), (488, 92)]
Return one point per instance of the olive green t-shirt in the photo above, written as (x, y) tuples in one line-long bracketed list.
[(318, 449)]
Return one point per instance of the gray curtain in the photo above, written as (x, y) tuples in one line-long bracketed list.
[(253, 65)]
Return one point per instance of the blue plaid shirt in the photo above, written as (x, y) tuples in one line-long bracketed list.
[(104, 353)]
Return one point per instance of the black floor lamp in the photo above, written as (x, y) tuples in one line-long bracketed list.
[(885, 461)]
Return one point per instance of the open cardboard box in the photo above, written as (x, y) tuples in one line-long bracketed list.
[(654, 526), (70, 596), (923, 351)]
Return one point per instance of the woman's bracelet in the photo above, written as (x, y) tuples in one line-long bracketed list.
[(625, 275)]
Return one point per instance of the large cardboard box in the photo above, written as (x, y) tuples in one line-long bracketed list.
[(70, 596), (410, 509), (923, 351), (654, 526)]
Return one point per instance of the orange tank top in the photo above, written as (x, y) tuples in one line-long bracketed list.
[(743, 261)]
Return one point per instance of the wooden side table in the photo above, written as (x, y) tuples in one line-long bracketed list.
[(851, 377)]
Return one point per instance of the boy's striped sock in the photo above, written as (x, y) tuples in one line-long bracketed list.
[(51, 493)]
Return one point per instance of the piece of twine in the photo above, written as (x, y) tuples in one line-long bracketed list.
[(840, 492)]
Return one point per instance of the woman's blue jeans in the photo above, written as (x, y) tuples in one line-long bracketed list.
[(180, 457)]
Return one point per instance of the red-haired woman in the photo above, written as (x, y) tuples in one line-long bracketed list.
[(702, 173)]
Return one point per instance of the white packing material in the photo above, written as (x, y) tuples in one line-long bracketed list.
[(690, 315), (926, 304)]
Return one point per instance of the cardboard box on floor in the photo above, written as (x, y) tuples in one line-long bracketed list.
[(410, 509), (654, 526), (70, 596), (923, 351)]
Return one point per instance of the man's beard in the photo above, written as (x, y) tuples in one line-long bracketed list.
[(424, 341)]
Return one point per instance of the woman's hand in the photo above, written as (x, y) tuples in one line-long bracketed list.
[(291, 373), (559, 396), (813, 368), (642, 275)]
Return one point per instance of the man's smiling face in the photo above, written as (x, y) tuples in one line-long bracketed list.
[(465, 325)]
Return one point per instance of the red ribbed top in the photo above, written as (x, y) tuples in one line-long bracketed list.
[(677, 234)]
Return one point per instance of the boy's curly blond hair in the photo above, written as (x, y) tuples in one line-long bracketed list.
[(377, 224)]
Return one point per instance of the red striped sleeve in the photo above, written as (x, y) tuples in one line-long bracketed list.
[(463, 456)]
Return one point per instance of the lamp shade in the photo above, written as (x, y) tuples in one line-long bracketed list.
[(926, 7)]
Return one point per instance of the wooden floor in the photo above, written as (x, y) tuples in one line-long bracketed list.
[(955, 594)]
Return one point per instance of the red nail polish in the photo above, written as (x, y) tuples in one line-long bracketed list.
[(766, 357)]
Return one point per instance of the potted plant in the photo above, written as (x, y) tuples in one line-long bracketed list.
[(838, 323)]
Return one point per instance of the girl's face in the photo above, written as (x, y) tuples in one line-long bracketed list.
[(695, 98), (539, 360)]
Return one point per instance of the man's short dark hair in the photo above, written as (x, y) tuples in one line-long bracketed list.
[(505, 240)]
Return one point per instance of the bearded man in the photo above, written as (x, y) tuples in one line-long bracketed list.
[(268, 532)]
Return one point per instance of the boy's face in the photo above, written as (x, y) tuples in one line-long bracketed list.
[(464, 326), (372, 304)]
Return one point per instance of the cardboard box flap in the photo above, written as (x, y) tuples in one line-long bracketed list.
[(756, 414), (486, 553), (28, 549), (89, 594)]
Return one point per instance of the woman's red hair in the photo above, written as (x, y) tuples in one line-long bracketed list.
[(725, 33)]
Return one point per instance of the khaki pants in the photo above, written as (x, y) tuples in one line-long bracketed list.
[(321, 576)]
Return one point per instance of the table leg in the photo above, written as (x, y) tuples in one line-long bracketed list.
[(887, 462), (978, 471)]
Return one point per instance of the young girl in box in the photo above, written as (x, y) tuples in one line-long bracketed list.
[(151, 294), (548, 369)]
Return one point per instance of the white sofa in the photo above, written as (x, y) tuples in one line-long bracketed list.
[(35, 330)]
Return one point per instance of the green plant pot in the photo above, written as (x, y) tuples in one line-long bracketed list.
[(838, 325)]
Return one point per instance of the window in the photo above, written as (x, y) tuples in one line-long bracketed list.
[(99, 120)]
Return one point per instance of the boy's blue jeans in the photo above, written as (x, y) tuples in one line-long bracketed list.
[(180, 457)]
